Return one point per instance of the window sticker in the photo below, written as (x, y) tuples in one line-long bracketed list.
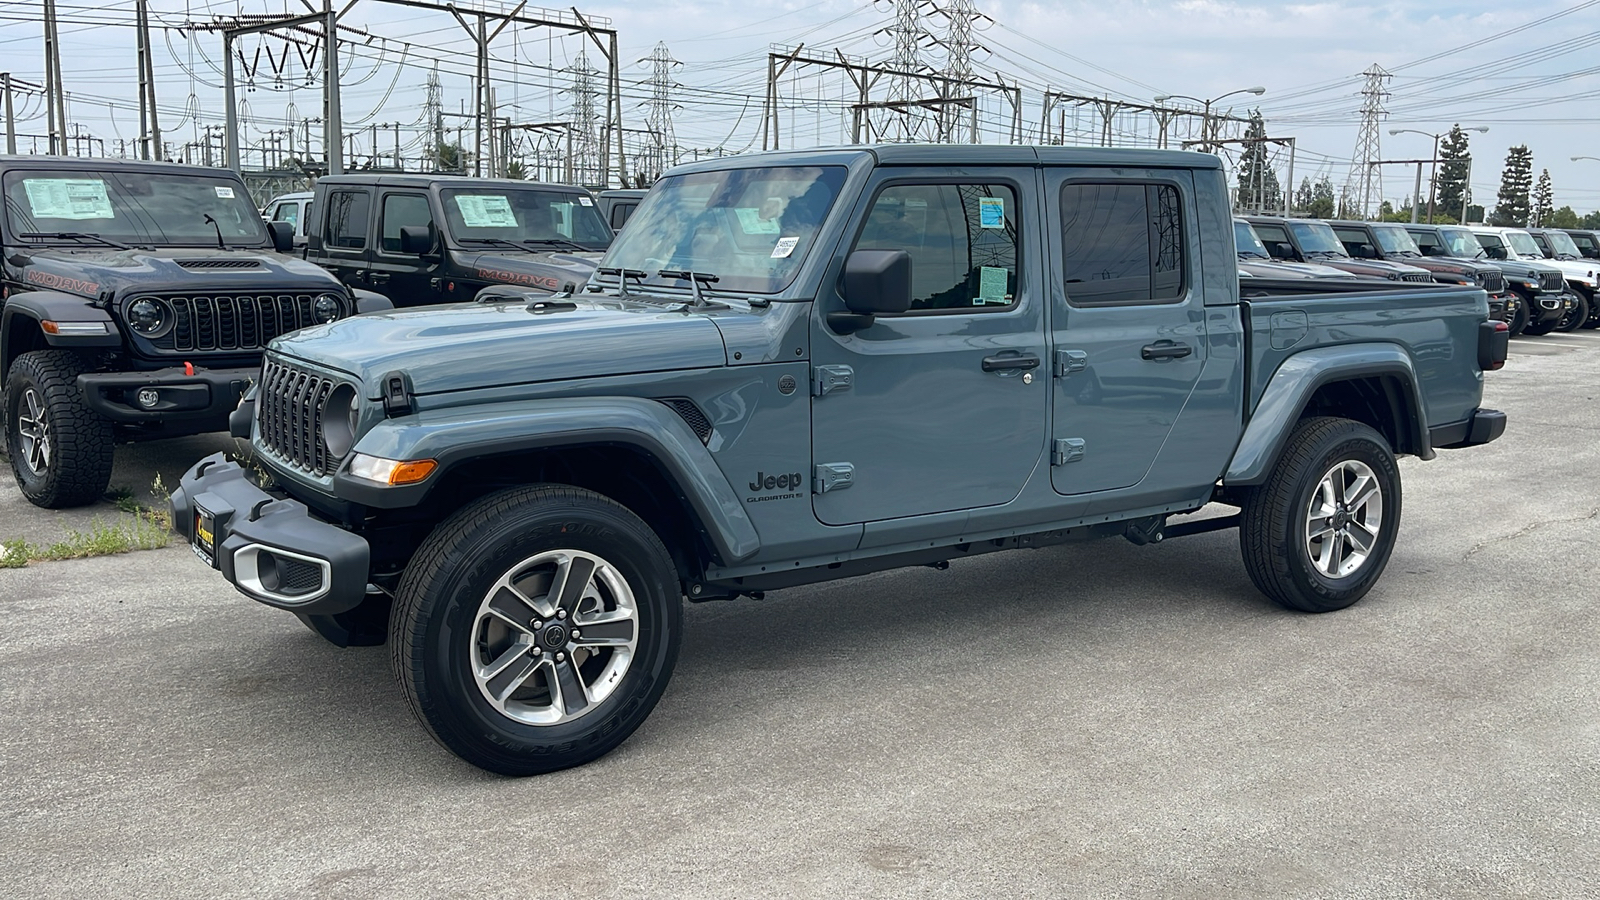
[(784, 247), (992, 283), (225, 192), (992, 212), (486, 211), (68, 198), (584, 201), (752, 223)]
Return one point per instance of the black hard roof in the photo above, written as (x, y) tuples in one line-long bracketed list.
[(391, 179)]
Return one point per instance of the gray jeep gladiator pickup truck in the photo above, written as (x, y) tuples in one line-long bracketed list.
[(136, 300), (796, 367)]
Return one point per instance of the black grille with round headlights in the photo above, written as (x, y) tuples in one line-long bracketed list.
[(327, 307), (151, 317)]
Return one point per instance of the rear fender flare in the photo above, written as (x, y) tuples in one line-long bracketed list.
[(1298, 379), (456, 436)]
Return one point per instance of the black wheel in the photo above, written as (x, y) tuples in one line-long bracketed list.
[(1318, 534), (365, 626), (1575, 316), (536, 628), (1519, 319), (60, 448)]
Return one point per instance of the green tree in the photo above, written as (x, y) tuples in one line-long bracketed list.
[(1516, 183), (1544, 205), (1454, 164), (1565, 217), (1258, 188), (1322, 204)]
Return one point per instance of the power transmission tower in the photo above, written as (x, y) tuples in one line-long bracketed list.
[(905, 90), (1365, 176), (663, 142), (962, 16), (433, 119), (585, 143)]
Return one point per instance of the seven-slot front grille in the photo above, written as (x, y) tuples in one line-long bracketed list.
[(289, 416), (1493, 282), (236, 322), (1550, 281)]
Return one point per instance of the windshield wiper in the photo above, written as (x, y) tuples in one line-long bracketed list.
[(498, 241), (695, 279), (72, 236), (622, 275), (557, 242)]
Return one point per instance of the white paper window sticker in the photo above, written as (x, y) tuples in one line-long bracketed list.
[(584, 201), (68, 198), (225, 192), (486, 211), (784, 247), (752, 223), (992, 284), (992, 212)]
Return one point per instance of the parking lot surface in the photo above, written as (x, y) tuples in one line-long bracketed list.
[(1100, 720)]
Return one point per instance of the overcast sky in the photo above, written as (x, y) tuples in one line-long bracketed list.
[(1476, 63)]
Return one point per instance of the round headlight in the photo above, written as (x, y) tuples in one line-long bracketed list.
[(326, 308), (341, 414), (149, 316)]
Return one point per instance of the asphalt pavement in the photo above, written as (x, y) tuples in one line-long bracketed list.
[(1099, 720)]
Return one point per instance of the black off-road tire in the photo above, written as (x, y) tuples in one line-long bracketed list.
[(1273, 529), (1519, 320), (434, 628), (78, 467), (1577, 317)]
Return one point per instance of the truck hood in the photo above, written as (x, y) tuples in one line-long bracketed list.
[(560, 271), (475, 345), (90, 273)]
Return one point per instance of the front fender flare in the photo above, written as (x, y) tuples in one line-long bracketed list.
[(26, 309), (455, 436), (1292, 387)]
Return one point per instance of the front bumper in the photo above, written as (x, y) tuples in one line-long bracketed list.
[(273, 550), (199, 400)]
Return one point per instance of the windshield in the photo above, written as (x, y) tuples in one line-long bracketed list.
[(522, 215), (1248, 244), (749, 227), (1316, 237), (1561, 243), (1522, 242), (1394, 239), (140, 208), (1461, 242)]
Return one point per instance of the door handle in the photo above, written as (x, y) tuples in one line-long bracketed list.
[(1010, 363), (1165, 350)]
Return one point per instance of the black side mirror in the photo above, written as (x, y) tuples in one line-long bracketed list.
[(416, 239), (282, 236), (874, 283)]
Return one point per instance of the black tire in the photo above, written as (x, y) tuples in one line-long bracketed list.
[(1580, 314), (365, 626), (1273, 532), (1519, 319), (441, 629), (71, 465)]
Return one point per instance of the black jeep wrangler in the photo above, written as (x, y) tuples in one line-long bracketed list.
[(423, 239), (136, 300)]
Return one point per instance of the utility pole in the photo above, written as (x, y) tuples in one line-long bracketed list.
[(149, 126), (1366, 174), (55, 96)]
